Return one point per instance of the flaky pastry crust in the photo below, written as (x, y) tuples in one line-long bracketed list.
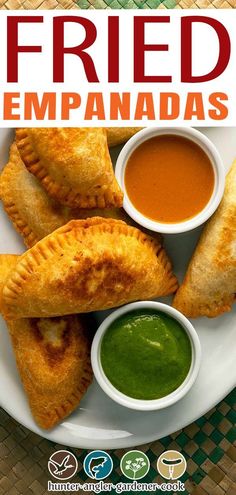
[(209, 286), (73, 165), (87, 265)]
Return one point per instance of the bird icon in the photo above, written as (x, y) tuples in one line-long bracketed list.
[(60, 468)]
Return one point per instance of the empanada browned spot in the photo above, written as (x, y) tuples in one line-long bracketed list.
[(87, 265), (209, 286), (34, 213), (53, 359), (118, 135), (73, 165)]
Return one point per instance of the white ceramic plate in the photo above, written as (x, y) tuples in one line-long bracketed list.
[(99, 422)]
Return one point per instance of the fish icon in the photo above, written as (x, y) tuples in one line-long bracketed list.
[(98, 464)]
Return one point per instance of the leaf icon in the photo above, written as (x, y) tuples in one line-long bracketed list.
[(136, 465)]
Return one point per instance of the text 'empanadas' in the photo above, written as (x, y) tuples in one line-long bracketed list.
[(53, 359), (87, 265), (73, 165), (33, 212), (209, 286)]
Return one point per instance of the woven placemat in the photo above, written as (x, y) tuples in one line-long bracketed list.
[(37, 4), (116, 4), (209, 446), (157, 4)]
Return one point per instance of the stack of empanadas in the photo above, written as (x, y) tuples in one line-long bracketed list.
[(73, 266), (73, 165), (53, 358), (34, 213), (86, 255)]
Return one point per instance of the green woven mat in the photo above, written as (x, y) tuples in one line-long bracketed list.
[(209, 446), (156, 4), (125, 4)]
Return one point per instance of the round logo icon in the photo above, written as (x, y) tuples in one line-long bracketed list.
[(62, 465), (171, 465), (135, 465), (98, 464)]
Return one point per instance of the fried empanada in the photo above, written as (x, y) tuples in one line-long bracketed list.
[(73, 165), (53, 359), (209, 286), (118, 135), (33, 213), (87, 265)]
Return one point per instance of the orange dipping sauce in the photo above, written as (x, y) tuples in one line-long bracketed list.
[(169, 179)]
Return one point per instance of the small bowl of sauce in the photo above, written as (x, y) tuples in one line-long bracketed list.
[(173, 178), (146, 355)]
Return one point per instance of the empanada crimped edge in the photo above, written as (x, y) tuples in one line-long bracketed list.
[(63, 238), (113, 197), (19, 188), (7, 265), (11, 209)]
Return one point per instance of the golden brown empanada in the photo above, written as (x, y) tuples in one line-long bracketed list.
[(118, 135), (209, 286), (73, 165), (87, 265), (34, 213), (53, 359)]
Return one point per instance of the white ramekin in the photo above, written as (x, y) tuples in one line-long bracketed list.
[(212, 153), (146, 405)]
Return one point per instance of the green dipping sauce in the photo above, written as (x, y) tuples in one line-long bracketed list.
[(146, 354)]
